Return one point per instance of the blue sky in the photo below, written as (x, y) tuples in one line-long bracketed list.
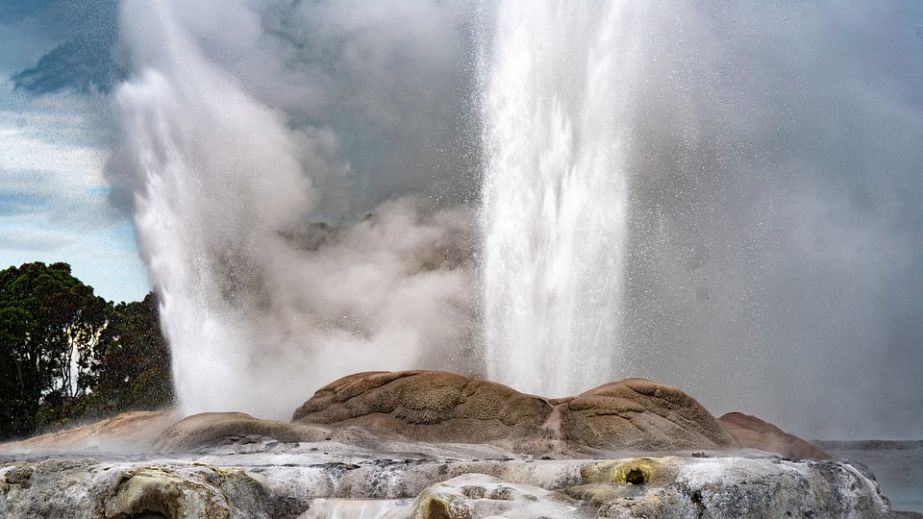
[(54, 143)]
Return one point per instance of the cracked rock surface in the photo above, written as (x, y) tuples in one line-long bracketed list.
[(269, 479)]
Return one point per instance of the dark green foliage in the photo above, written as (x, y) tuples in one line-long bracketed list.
[(134, 363), (46, 317), (67, 354)]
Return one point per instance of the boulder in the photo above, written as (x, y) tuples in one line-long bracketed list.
[(130, 431), (637, 414), (89, 489), (703, 487), (753, 433), (209, 429), (435, 406), (430, 406), (677, 488), (471, 496)]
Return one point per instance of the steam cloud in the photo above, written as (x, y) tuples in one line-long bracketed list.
[(304, 177), (259, 305)]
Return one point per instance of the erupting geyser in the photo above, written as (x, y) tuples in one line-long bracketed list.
[(550, 194), (260, 303), (424, 205), (557, 77)]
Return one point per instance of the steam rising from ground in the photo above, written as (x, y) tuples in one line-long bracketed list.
[(774, 229), (260, 306)]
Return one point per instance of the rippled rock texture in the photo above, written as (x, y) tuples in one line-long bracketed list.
[(753, 433), (437, 406), (435, 445), (431, 406), (427, 406)]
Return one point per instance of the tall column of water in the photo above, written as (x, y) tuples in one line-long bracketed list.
[(556, 77), (217, 179)]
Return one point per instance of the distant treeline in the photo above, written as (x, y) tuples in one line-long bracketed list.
[(67, 355)]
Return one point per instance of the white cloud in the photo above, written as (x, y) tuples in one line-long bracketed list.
[(53, 197)]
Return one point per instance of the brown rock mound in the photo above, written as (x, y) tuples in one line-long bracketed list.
[(134, 430), (436, 406), (208, 429), (427, 406), (753, 433), (638, 414)]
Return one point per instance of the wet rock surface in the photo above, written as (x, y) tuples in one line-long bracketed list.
[(898, 467), (431, 481), (754, 433), (208, 429), (132, 431)]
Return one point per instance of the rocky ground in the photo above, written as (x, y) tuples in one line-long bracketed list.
[(438, 446), (898, 466), (257, 477)]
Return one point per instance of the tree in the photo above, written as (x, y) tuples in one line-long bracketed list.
[(133, 370), (49, 324), (68, 355)]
